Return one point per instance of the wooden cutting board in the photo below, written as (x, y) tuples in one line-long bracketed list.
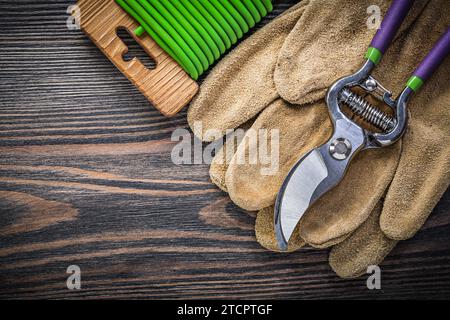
[(168, 87)]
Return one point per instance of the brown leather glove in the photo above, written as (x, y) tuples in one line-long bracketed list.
[(291, 59)]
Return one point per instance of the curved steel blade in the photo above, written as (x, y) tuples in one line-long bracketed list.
[(311, 177), (296, 193)]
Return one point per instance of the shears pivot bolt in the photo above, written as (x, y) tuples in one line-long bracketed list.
[(340, 148)]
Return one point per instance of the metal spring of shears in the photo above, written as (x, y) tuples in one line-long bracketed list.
[(366, 111)]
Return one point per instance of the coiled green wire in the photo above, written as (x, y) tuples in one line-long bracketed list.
[(253, 11), (204, 44), (232, 10), (242, 9), (188, 40), (230, 19), (261, 8), (199, 27), (268, 4), (219, 18), (219, 28), (173, 36), (209, 28), (196, 32)]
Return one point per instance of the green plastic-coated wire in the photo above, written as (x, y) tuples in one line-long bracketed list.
[(236, 15), (254, 12), (268, 4), (197, 26), (220, 19), (239, 6), (219, 29), (209, 28), (181, 32), (173, 36), (203, 44), (227, 16), (261, 8), (139, 31)]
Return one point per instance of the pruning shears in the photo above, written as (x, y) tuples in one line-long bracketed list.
[(322, 168)]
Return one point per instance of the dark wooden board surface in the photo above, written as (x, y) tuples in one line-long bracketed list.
[(86, 179)]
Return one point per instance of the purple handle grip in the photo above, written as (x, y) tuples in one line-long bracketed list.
[(436, 56), (390, 24)]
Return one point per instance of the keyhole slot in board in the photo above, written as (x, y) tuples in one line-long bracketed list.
[(134, 49)]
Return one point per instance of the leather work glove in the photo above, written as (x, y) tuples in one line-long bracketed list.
[(387, 194)]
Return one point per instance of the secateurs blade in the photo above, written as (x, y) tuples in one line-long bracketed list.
[(322, 168)]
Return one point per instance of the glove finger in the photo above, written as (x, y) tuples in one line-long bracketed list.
[(223, 157), (219, 166), (365, 247), (327, 43), (253, 185), (328, 243), (265, 232), (241, 85), (423, 174)]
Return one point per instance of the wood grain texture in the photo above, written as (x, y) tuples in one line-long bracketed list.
[(86, 179), (167, 86)]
